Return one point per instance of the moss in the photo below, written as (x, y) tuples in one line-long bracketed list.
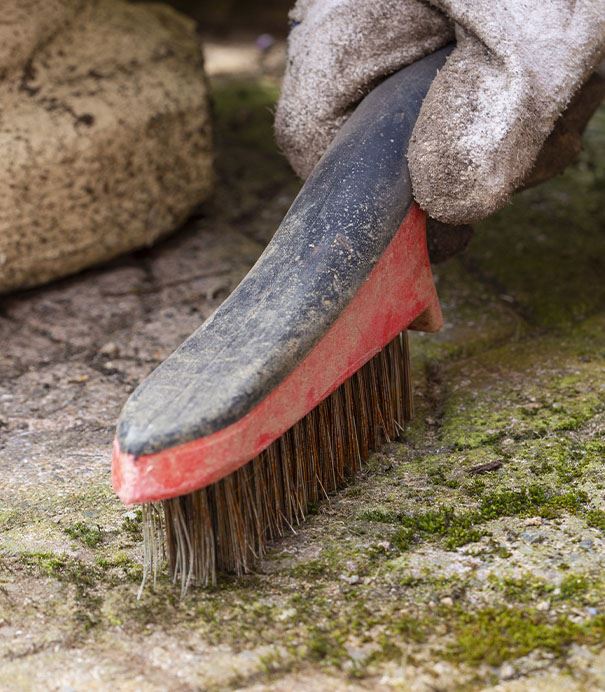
[(573, 585), (444, 522), (126, 566), (475, 487), (507, 502), (275, 662), (489, 422), (457, 529), (309, 569), (132, 525), (403, 538), (329, 630), (564, 460), (325, 646), (407, 628), (531, 401), (89, 535), (438, 475), (50, 564), (498, 550), (572, 502), (553, 275), (106, 571), (433, 522), (541, 468), (328, 564), (497, 634), (462, 535), (9, 518), (525, 589), (533, 500), (530, 588), (378, 514), (596, 519), (460, 527), (76, 573)]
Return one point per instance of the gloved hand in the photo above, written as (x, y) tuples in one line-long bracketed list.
[(516, 66)]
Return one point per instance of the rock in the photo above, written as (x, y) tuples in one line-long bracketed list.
[(533, 521), (109, 349), (507, 671), (350, 579), (26, 24), (286, 614), (104, 133)]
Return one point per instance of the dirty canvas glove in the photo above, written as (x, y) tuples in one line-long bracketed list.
[(515, 67), (337, 51)]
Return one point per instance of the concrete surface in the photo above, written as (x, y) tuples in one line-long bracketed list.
[(470, 555)]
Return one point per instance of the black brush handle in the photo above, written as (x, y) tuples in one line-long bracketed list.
[(339, 225)]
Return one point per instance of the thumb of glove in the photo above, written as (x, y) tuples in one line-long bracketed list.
[(515, 67)]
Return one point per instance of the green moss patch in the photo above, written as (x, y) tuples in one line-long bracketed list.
[(87, 534), (596, 519), (496, 635), (523, 390), (546, 251), (459, 527), (557, 405)]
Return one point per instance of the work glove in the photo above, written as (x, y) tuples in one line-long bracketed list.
[(516, 66)]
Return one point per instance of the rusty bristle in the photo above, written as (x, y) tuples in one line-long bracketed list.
[(226, 526)]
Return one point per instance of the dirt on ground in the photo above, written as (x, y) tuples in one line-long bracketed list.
[(468, 555)]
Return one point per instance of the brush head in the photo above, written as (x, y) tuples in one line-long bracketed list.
[(226, 526)]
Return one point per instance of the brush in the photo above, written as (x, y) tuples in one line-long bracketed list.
[(281, 395)]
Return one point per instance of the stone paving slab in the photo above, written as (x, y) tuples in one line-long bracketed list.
[(469, 555)]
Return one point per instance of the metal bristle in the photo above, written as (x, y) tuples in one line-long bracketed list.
[(226, 526)]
